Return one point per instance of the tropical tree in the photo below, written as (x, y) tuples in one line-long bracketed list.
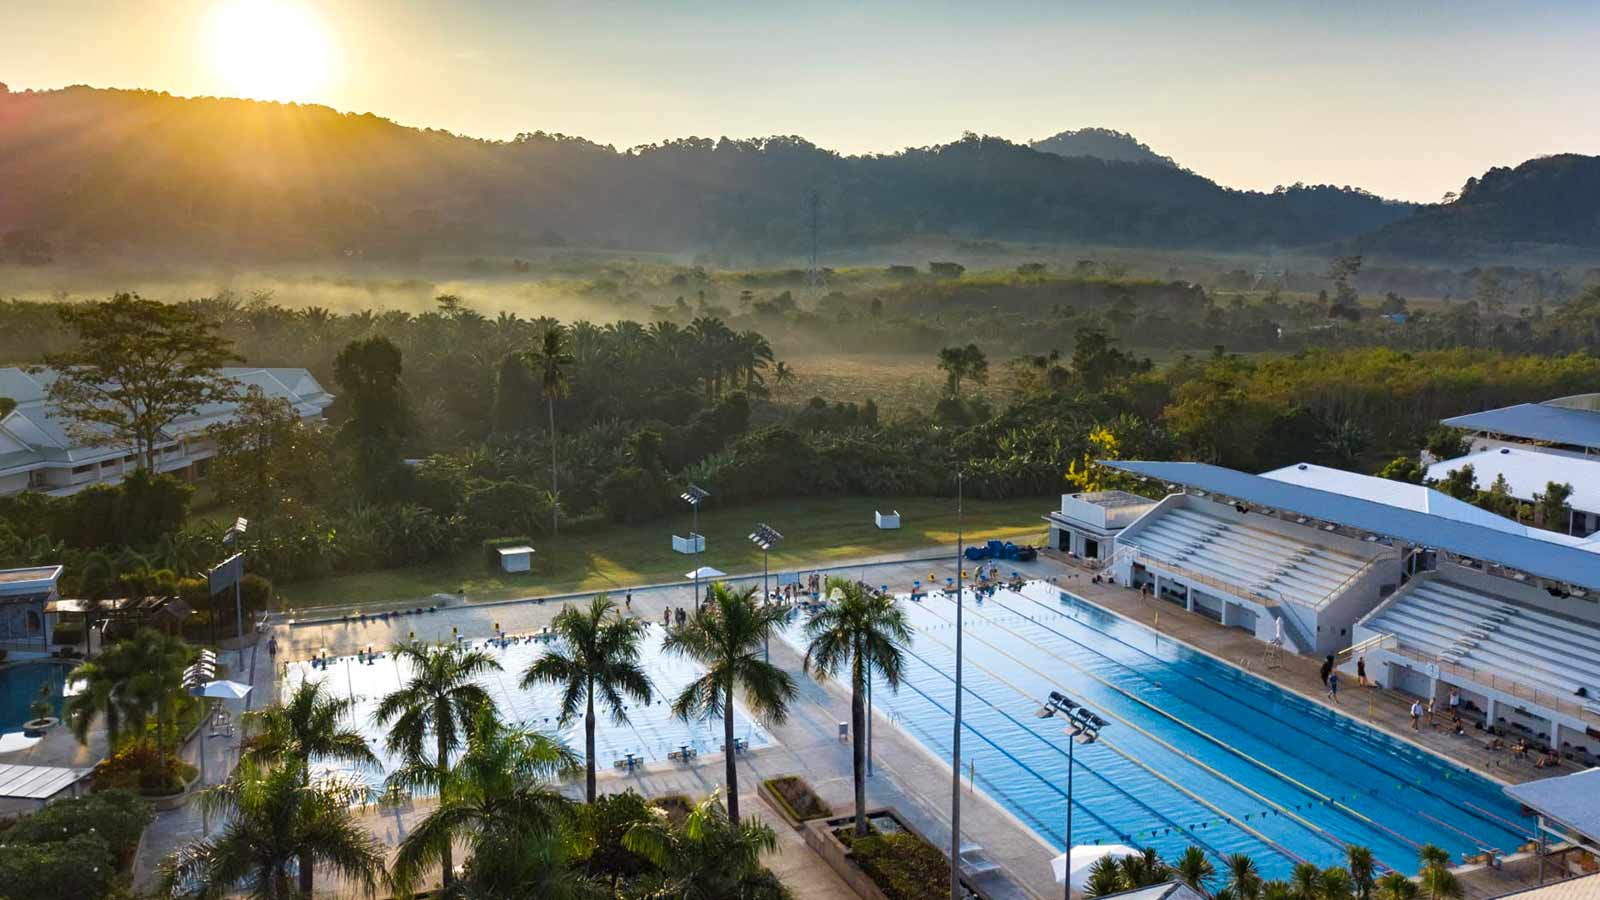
[(1433, 855), (308, 727), (1194, 869), (1439, 883), (1144, 869), (1337, 884), (550, 359), (782, 374), (597, 658), (867, 631), (710, 856), (1244, 879), (136, 682), (498, 800), (726, 640), (1359, 861), (275, 820), (1105, 878), (1396, 886), (1305, 880), (439, 698)]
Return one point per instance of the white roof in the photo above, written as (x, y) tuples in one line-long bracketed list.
[(1527, 472), (515, 551), (1404, 495), (1573, 800), (36, 782)]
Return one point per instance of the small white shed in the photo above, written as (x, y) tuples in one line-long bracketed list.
[(516, 559)]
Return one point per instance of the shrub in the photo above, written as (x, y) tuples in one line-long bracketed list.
[(70, 635), (78, 867), (676, 806), (118, 817), (492, 546), (802, 801), (903, 866), (144, 768)]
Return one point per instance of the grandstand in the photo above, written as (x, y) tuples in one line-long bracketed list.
[(1280, 579)]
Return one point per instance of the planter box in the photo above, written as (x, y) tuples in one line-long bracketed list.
[(788, 812), (819, 837)]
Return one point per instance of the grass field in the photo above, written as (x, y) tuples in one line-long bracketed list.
[(815, 532)]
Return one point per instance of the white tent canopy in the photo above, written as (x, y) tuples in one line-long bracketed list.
[(1084, 856), (226, 690), (705, 572)]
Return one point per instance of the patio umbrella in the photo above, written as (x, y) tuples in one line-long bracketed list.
[(15, 741), (225, 690), (1084, 856)]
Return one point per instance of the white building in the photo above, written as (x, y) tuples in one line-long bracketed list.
[(38, 452), (1527, 472), (25, 625), (1087, 524)]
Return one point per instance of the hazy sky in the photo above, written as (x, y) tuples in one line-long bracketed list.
[(1406, 99)]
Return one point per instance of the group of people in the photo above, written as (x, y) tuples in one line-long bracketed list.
[(1420, 710)]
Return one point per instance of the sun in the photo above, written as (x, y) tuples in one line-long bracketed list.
[(269, 49)]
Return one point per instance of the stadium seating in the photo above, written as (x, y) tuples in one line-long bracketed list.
[(1486, 631), (1255, 559)]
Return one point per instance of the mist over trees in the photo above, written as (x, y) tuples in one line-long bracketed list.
[(233, 179)]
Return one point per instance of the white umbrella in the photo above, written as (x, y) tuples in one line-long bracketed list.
[(705, 572), (225, 690), (1084, 856), (15, 741)]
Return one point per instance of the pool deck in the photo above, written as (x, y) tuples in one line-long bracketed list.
[(907, 776)]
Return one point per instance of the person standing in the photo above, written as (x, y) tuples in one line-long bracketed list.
[(1416, 715), (1327, 667), (1361, 670), (1333, 686), (1455, 704)]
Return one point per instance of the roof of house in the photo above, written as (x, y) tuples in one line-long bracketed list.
[(1584, 887), (1572, 800), (1556, 421), (1172, 890), (1505, 542), (35, 434), (1528, 472)]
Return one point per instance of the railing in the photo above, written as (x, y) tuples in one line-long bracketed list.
[(1560, 702), (1371, 643), (1240, 590)]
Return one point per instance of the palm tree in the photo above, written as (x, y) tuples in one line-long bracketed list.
[(726, 640), (439, 698), (131, 682), (1396, 886), (1359, 861), (498, 800), (1439, 883), (1306, 882), (549, 360), (1433, 856), (1105, 878), (598, 655), (1336, 884), (782, 374), (276, 820), (309, 727), (709, 856), (1276, 889), (1194, 869), (869, 632), (1243, 877), (1144, 869)]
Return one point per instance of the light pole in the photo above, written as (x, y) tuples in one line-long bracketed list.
[(695, 495), (955, 747), (766, 537), (230, 538), (1083, 727)]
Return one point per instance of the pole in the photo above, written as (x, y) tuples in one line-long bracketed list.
[(694, 548), (766, 597), (205, 725), (238, 609), (1068, 894), (955, 744), (869, 719)]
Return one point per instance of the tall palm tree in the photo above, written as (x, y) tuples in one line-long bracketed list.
[(132, 683), (709, 856), (1362, 868), (1336, 884), (550, 359), (1306, 881), (1144, 869), (309, 727), (726, 639), (438, 698), (869, 632), (1243, 876), (782, 374), (1396, 886), (1439, 883), (275, 821), (1433, 856), (499, 801), (1194, 869), (598, 657)]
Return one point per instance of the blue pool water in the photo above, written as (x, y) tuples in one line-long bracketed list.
[(19, 685), (651, 731), (1197, 751)]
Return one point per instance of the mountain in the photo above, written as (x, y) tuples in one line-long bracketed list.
[(93, 174), (1101, 143), (1552, 200)]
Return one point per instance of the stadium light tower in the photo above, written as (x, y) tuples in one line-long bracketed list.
[(766, 537), (1083, 727), (694, 495)]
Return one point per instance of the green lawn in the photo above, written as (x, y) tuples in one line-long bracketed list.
[(815, 530)]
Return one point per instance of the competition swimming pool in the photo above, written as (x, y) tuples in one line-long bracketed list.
[(650, 733), (1196, 752)]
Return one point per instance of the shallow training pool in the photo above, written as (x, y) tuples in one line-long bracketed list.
[(19, 686), (1196, 752), (650, 733)]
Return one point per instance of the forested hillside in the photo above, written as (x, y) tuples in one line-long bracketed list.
[(99, 173), (1101, 143), (1550, 200)]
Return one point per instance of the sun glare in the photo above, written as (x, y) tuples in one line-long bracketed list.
[(269, 49)]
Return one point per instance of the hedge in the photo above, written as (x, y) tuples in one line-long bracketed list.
[(902, 865), (73, 849)]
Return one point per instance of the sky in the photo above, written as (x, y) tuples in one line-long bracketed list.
[(1405, 99)]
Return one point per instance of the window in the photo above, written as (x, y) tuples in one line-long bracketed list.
[(79, 470)]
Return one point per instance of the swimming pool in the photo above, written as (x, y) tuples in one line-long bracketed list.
[(650, 733), (1196, 752), (19, 685)]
